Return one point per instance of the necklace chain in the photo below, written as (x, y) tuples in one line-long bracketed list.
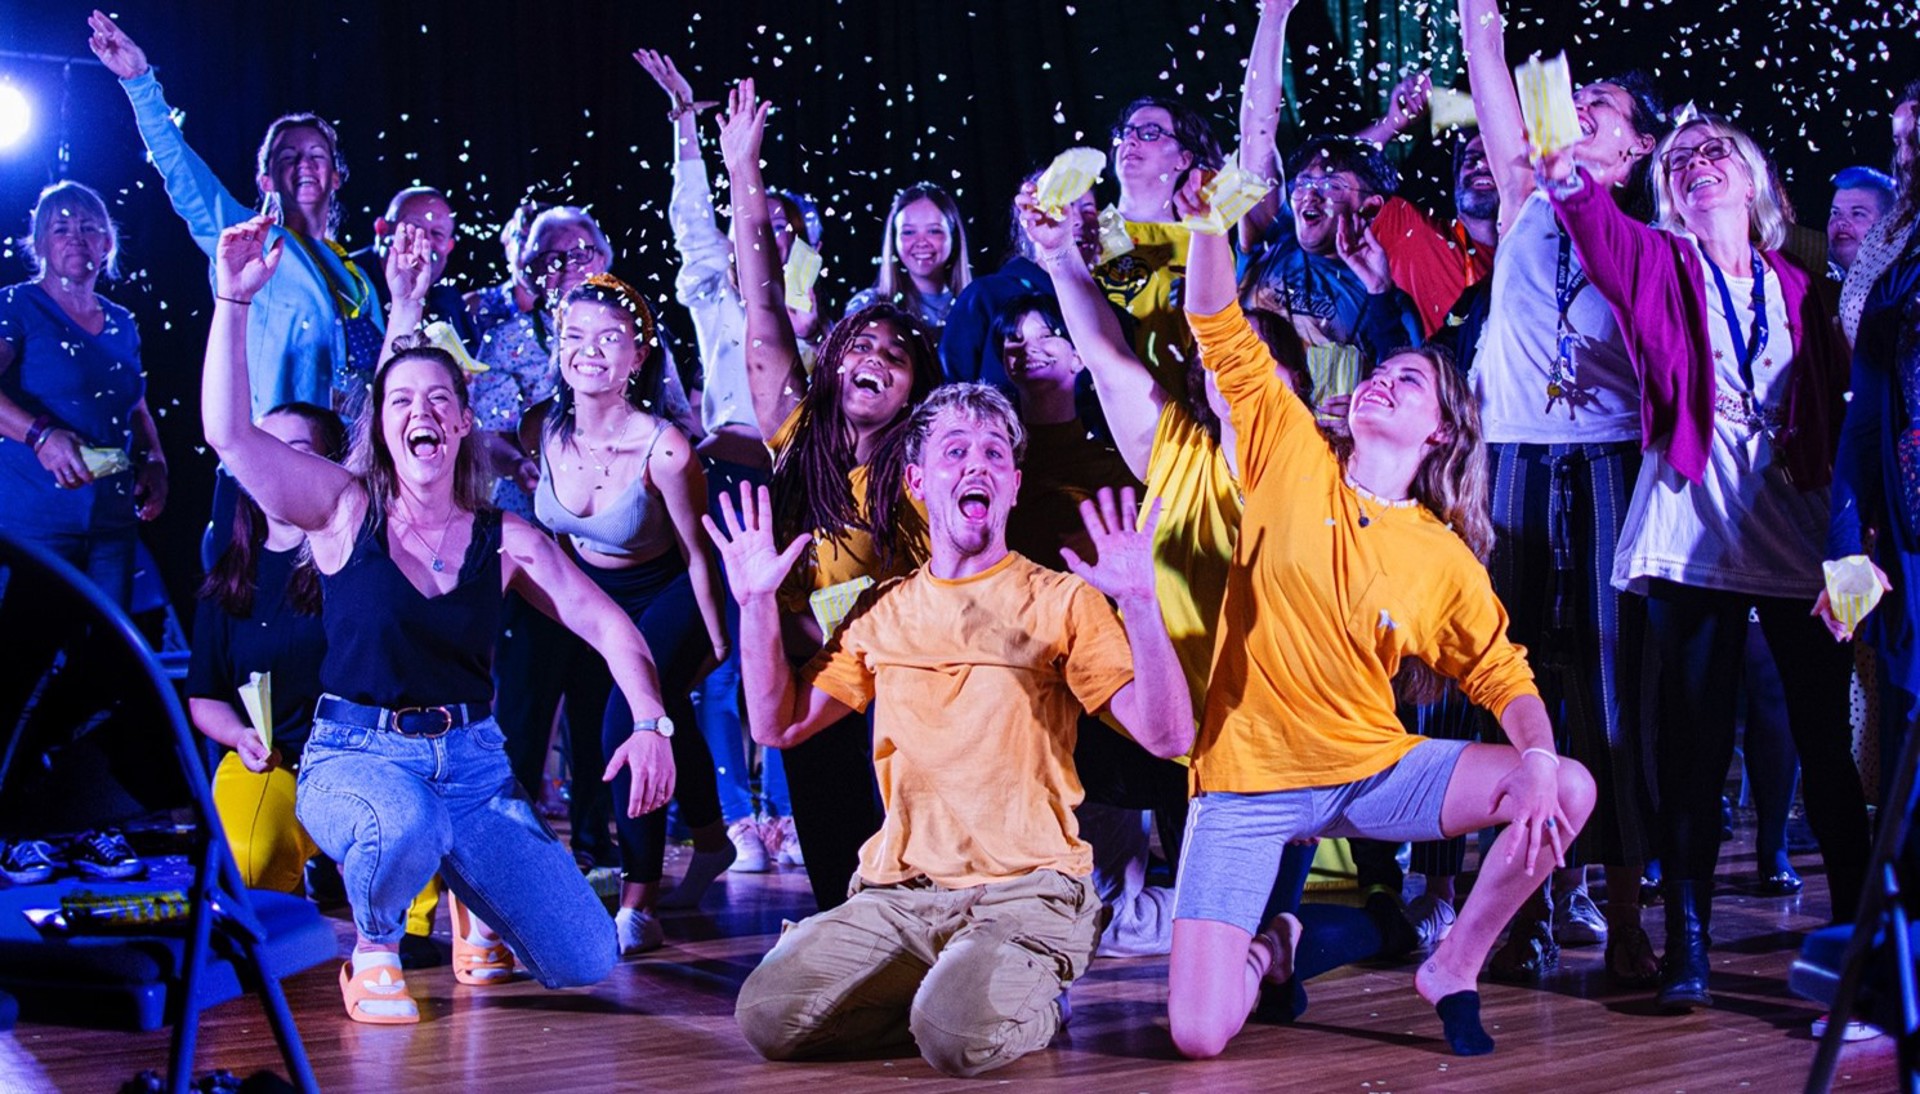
[(435, 559)]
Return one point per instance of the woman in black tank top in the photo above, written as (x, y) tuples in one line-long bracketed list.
[(404, 773)]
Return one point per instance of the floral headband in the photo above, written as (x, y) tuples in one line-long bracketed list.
[(629, 300)]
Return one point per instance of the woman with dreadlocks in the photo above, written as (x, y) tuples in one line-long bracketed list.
[(826, 437)]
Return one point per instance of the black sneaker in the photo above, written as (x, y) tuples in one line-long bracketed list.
[(104, 854), (28, 862)]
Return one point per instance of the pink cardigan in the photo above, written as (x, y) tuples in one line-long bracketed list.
[(1656, 286)]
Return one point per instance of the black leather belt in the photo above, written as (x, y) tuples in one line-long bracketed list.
[(406, 721)]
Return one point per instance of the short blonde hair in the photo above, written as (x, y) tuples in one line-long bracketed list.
[(1766, 214)]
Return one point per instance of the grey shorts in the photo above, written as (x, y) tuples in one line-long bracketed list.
[(1231, 853)]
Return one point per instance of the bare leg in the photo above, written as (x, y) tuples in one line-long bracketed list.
[(1213, 979), (1505, 882)]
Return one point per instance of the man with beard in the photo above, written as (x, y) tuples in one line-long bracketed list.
[(1436, 264), (972, 911)]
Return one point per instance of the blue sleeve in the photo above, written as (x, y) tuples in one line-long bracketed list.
[(1387, 322), (963, 340), (197, 196), (210, 666)]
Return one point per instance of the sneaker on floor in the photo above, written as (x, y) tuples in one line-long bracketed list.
[(638, 931), (1855, 1031), (28, 862), (750, 852), (1576, 921), (1432, 918), (104, 854), (783, 841)]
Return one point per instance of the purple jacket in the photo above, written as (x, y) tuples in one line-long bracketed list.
[(1656, 286)]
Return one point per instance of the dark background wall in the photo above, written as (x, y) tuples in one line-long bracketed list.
[(490, 99)]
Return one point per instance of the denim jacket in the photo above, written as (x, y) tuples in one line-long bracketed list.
[(295, 335)]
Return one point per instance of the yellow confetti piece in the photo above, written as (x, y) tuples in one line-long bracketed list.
[(1071, 174), (1546, 103)]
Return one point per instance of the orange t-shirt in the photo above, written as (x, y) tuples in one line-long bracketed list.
[(980, 683)]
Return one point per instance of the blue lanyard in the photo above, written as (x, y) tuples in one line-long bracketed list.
[(1567, 283), (1741, 353)]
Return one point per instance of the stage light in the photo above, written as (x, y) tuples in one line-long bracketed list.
[(16, 115)]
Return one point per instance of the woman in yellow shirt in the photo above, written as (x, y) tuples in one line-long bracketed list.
[(1348, 562)]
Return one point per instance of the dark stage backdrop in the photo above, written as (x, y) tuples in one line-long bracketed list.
[(491, 99)]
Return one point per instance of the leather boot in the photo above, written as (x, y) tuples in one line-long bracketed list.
[(1683, 971)]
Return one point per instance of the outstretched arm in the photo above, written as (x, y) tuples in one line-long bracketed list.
[(1405, 103), (774, 373), (197, 195), (1261, 94), (1128, 394), (409, 275), (533, 565), (1155, 706), (1496, 104), (298, 487), (779, 713)]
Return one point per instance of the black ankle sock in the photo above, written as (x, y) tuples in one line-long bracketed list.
[(1460, 1019)]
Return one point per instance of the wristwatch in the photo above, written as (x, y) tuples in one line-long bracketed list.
[(662, 725)]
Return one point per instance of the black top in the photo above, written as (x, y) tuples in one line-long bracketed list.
[(389, 646), (274, 638)]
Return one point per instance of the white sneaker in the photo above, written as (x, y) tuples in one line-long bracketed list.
[(750, 852), (1577, 921), (1432, 918), (639, 932), (1855, 1031), (782, 841)]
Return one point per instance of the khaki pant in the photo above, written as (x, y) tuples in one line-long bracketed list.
[(973, 977)]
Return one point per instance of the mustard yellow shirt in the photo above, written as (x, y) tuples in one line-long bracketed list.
[(1145, 282), (1200, 509), (980, 683), (1321, 608)]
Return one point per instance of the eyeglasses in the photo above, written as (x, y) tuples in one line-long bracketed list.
[(1330, 186), (1713, 151), (552, 262), (1145, 134)]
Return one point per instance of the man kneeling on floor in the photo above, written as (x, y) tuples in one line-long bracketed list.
[(972, 911)]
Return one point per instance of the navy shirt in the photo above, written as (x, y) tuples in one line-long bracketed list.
[(273, 638), (90, 384), (1324, 299)]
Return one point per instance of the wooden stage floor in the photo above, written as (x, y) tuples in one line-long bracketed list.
[(664, 1021)]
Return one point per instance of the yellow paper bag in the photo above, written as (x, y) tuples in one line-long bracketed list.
[(1853, 589), (1449, 109), (256, 695), (1114, 240), (1546, 103), (801, 271), (831, 604), (102, 460), (1071, 174), (1229, 193)]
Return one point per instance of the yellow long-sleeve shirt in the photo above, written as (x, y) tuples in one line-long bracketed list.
[(1329, 590)]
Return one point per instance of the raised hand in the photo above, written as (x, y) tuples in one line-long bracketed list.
[(1049, 235), (662, 69), (648, 758), (1551, 169), (409, 264), (1408, 99), (1123, 546), (243, 261), (742, 127), (1360, 249), (117, 51), (756, 566)]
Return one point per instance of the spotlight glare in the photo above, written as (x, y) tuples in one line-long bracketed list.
[(16, 115)]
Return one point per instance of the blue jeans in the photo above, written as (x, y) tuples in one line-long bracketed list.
[(394, 810), (105, 557)]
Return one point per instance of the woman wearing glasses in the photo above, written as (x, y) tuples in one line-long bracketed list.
[(923, 259), (1157, 143), (1743, 374)]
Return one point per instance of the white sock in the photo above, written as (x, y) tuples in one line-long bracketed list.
[(369, 965)]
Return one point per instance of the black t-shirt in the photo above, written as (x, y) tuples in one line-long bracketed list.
[(274, 638)]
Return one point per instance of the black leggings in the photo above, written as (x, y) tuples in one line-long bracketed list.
[(1701, 637), (658, 596), (836, 803)]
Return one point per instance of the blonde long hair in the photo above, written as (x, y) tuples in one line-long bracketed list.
[(1766, 214)]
